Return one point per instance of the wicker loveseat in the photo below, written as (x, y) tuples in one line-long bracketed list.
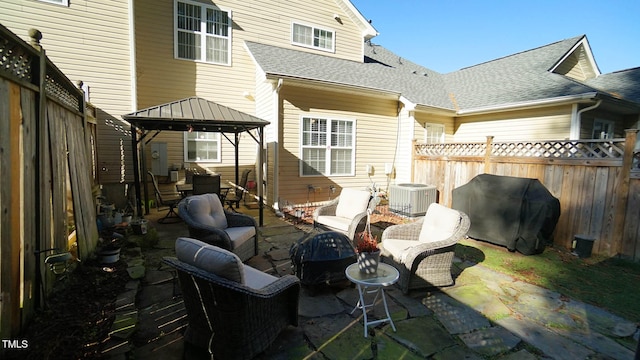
[(209, 222), (234, 311), (346, 214), (423, 250)]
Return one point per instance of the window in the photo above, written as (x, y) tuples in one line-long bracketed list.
[(202, 146), (203, 33), (312, 37), (602, 129), (433, 133), (327, 146), (59, 2)]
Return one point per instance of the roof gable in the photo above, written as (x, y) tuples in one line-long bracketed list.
[(578, 63)]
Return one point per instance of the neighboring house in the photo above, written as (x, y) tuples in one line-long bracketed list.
[(343, 111)]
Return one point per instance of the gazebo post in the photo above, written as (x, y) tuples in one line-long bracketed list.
[(260, 176), (136, 168)]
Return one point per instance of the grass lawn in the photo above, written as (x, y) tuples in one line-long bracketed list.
[(608, 283)]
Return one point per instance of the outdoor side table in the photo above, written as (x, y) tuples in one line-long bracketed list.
[(372, 284)]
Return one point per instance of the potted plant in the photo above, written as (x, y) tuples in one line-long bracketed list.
[(368, 252)]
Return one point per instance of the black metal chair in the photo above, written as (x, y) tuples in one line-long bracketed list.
[(206, 184), (171, 202), (239, 192)]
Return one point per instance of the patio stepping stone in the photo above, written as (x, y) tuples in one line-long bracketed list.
[(599, 343), (457, 317), (410, 333), (414, 307), (318, 305), (519, 355), (457, 353), (124, 324), (491, 341), (478, 298), (126, 300), (136, 272), (155, 277), (547, 341)]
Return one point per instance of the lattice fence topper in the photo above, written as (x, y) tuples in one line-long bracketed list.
[(564, 149), (16, 59)]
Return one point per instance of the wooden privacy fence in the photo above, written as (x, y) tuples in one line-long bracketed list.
[(45, 158), (596, 181)]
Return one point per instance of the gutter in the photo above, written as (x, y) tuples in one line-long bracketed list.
[(530, 104)]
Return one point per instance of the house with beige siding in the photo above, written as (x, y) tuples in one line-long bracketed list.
[(343, 111)]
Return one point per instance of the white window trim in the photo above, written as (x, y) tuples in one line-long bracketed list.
[(186, 150), (602, 121), (57, 2), (175, 31), (328, 147), (313, 27), (426, 135)]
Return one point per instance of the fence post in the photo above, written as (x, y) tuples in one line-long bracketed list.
[(487, 155), (622, 195)]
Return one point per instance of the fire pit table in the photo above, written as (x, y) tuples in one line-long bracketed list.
[(321, 258)]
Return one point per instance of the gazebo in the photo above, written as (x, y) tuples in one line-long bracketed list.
[(194, 114)]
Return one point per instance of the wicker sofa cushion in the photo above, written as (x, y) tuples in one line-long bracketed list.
[(240, 234), (257, 279), (352, 202), (440, 222), (207, 209), (210, 258), (334, 222)]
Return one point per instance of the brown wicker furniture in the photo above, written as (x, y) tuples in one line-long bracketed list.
[(208, 221), (234, 311), (422, 251), (346, 214)]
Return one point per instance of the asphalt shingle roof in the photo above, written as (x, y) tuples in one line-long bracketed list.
[(622, 84), (518, 78)]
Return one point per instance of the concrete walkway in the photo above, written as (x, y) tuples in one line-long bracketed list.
[(485, 315)]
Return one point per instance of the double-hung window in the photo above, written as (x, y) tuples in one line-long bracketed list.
[(327, 147), (202, 146), (313, 37), (202, 33), (602, 129), (433, 133)]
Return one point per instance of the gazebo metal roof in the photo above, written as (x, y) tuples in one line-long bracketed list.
[(194, 114)]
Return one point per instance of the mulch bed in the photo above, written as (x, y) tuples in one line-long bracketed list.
[(77, 317)]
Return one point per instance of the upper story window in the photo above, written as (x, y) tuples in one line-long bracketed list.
[(327, 146), (202, 146), (202, 33), (313, 37), (59, 2), (433, 133)]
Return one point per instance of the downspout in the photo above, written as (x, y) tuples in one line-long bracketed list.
[(576, 129), (276, 151)]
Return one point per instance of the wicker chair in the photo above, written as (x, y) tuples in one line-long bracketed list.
[(209, 222), (346, 213), (234, 311), (423, 250)]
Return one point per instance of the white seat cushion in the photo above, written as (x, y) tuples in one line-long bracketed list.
[(334, 222), (240, 234), (207, 209), (397, 248), (440, 222), (257, 279), (352, 202), (210, 258)]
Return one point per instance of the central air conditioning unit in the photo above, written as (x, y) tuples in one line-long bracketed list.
[(411, 199)]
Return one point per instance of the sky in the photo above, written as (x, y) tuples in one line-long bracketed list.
[(446, 36)]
